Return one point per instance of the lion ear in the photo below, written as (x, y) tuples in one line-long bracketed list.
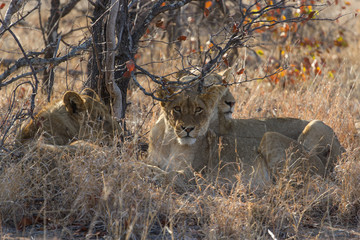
[(91, 93), (163, 94), (73, 102), (213, 94)]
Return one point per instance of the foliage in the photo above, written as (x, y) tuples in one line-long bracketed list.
[(107, 191)]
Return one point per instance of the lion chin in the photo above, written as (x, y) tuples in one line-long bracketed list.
[(186, 140), (228, 115)]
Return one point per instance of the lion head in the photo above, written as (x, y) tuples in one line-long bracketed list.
[(226, 104), (75, 117), (189, 113)]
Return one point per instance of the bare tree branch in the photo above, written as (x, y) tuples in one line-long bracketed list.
[(68, 7), (155, 11), (4, 28), (112, 88), (36, 61), (14, 6), (52, 40), (34, 86), (14, 79)]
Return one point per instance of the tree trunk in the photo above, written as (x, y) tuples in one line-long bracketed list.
[(95, 75), (97, 62), (51, 40)]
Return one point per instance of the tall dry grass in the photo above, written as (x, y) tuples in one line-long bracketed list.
[(107, 191)]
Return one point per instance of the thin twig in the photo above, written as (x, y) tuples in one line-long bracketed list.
[(36, 61), (19, 20), (14, 6), (35, 87)]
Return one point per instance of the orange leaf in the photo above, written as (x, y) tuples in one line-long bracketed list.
[(206, 12), (347, 3), (235, 28), (241, 71), (181, 38), (225, 61), (311, 14), (258, 7), (208, 4), (130, 65), (2, 5), (127, 74), (317, 71), (306, 63)]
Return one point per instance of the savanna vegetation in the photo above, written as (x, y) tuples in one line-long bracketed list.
[(287, 59)]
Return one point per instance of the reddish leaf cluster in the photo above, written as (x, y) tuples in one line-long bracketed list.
[(207, 6), (130, 66)]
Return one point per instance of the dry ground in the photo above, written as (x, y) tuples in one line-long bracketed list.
[(107, 194)]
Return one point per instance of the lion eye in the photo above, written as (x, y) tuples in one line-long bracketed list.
[(177, 109), (198, 110)]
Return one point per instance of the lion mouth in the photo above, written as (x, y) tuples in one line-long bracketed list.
[(187, 140), (228, 114)]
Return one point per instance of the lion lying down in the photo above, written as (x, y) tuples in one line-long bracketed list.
[(74, 117), (194, 133)]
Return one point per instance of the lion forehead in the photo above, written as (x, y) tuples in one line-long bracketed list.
[(189, 104)]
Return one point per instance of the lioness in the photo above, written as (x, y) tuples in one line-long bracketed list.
[(258, 148), (186, 118), (75, 117), (254, 147), (225, 106), (316, 139)]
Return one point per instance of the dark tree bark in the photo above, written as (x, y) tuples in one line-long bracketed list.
[(51, 39), (129, 30), (95, 75)]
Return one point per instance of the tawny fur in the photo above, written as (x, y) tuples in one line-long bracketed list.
[(75, 117), (254, 149), (170, 146)]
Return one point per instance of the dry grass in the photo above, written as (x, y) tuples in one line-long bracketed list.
[(106, 191)]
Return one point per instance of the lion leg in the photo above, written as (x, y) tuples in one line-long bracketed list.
[(261, 175), (281, 152), (320, 139)]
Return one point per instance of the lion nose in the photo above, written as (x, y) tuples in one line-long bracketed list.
[(187, 129), (231, 104)]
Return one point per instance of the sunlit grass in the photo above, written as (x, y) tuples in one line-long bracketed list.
[(107, 191)]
